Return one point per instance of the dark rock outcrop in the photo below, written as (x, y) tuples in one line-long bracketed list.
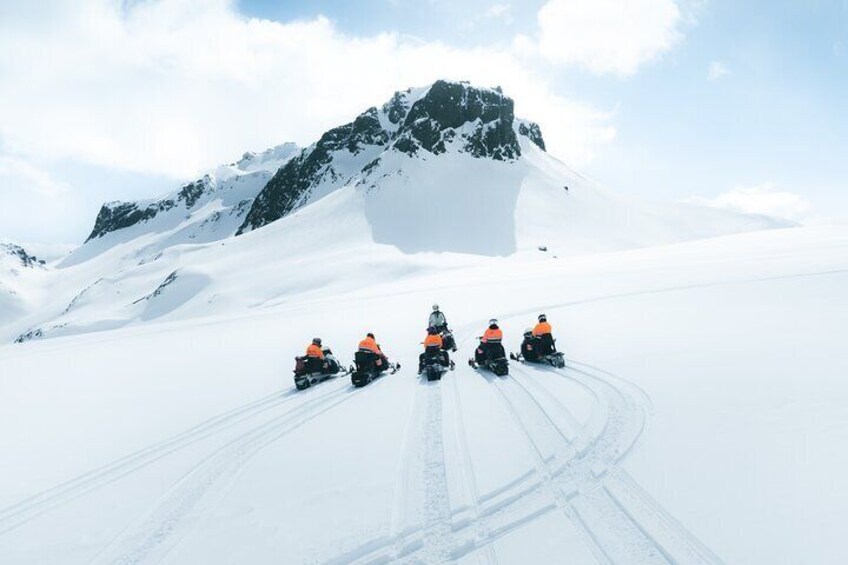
[(21, 255), (450, 115)]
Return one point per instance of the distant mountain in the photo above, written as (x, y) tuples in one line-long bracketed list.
[(209, 208), (443, 175), (444, 117)]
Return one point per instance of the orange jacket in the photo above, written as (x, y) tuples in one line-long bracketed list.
[(492, 336), (369, 344), (433, 341), (542, 328), (314, 351)]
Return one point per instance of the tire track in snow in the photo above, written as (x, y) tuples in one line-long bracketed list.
[(22, 512), (506, 509), (600, 447), (152, 537), (478, 520), (561, 494), (666, 531), (437, 512)]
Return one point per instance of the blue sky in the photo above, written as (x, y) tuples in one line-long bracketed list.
[(779, 116), (737, 104)]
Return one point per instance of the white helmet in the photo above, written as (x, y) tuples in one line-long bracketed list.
[(435, 307)]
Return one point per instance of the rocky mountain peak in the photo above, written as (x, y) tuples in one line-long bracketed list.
[(445, 116)]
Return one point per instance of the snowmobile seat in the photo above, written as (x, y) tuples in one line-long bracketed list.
[(365, 361)]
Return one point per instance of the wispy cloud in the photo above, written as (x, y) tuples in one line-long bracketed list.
[(765, 199), (173, 86), (608, 36), (19, 175), (502, 11), (717, 70)]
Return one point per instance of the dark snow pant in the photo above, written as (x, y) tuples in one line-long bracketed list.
[(314, 365), (545, 344), (492, 351)]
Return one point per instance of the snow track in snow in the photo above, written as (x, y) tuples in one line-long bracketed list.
[(476, 518), (155, 535), (13, 516), (576, 471)]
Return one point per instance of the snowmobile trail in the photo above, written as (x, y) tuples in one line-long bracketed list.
[(576, 471), (615, 533), (620, 509), (475, 518), (18, 514), (151, 538)]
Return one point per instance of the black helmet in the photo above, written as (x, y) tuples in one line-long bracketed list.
[(369, 334), (493, 322), (543, 318), (432, 330), (316, 340)]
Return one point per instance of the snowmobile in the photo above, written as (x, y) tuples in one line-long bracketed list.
[(531, 352), (366, 368), (495, 363), (434, 367), (304, 378)]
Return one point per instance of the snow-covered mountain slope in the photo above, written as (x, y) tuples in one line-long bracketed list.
[(21, 275), (207, 209), (182, 441), (441, 169)]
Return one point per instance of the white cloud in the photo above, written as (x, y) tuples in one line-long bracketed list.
[(176, 86), (607, 36), (717, 70), (17, 174), (35, 205), (764, 199), (500, 11)]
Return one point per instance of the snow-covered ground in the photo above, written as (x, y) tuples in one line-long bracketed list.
[(148, 413), (701, 417)]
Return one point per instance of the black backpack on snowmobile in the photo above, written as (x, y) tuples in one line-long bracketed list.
[(307, 373), (490, 356), (369, 366)]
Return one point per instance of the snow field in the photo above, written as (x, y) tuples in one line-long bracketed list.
[(136, 448)]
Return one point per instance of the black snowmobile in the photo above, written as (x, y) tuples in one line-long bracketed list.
[(539, 350), (491, 357), (369, 366), (306, 373), (434, 365)]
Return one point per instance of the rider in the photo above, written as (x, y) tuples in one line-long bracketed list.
[(438, 320), (315, 356), (432, 348), (490, 343), (529, 347), (370, 345), (543, 333)]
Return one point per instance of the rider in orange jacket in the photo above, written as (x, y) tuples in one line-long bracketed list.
[(490, 343), (370, 345), (544, 334), (314, 356), (432, 348)]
